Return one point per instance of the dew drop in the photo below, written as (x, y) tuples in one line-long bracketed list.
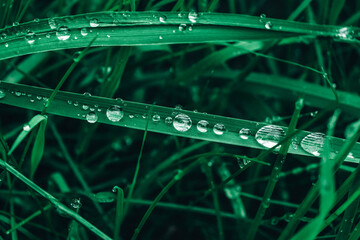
[(84, 32), (182, 27), (91, 117), (87, 94), (114, 113), (193, 16), (76, 56), (30, 37), (263, 15), (26, 127), (36, 20), (76, 203), (156, 118), (202, 126), (182, 122), (162, 18), (52, 23), (17, 93), (219, 129), (94, 22), (115, 189), (76, 104), (266, 203), (168, 120), (313, 143), (270, 135), (6, 45), (2, 94), (268, 25), (85, 107), (63, 33), (244, 133)]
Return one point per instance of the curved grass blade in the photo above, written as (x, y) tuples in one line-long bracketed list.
[(144, 28), (38, 148), (164, 120), (26, 130)]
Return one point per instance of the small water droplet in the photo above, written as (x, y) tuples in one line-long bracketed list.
[(244, 133), (84, 32), (313, 143), (263, 15), (193, 16), (76, 104), (131, 116), (94, 22), (32, 100), (179, 175), (168, 120), (182, 122), (36, 20), (202, 126), (115, 189), (314, 114), (162, 18), (270, 135), (6, 45), (2, 94), (268, 25), (266, 203), (274, 221), (85, 107), (63, 33), (182, 27), (30, 37), (91, 117), (76, 203), (17, 93), (87, 94), (26, 127), (76, 56), (52, 23), (156, 118), (114, 113), (160, 37), (38, 98), (219, 129)]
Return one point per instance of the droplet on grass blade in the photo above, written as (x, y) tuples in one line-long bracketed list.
[(219, 129), (202, 126), (270, 135), (162, 18), (2, 94), (84, 32), (63, 33), (182, 122), (94, 22), (114, 113), (91, 117), (313, 143), (30, 37), (193, 16), (76, 203), (244, 133)]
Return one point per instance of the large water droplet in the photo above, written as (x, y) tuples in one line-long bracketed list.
[(270, 135), (76, 203), (182, 27), (244, 133), (162, 19), (202, 126), (84, 32), (313, 143), (30, 37), (63, 33), (91, 117), (156, 118), (268, 25), (114, 113), (94, 22), (26, 127), (182, 122), (219, 129), (2, 94), (193, 16)]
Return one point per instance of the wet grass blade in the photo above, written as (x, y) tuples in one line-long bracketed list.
[(38, 148), (119, 215), (64, 33)]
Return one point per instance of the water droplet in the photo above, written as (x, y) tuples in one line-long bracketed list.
[(52, 23), (131, 116), (63, 33), (85, 107), (30, 37), (114, 113), (84, 32), (76, 56), (168, 120), (266, 203), (313, 143), (16, 24), (244, 133), (156, 118), (76, 203), (160, 37), (263, 15), (115, 189), (268, 25), (26, 127), (182, 122), (91, 117), (94, 22), (314, 114), (36, 20), (193, 16), (6, 45), (270, 135), (202, 126), (76, 104), (274, 221), (17, 93), (219, 129), (182, 27), (87, 94), (2, 94), (346, 33), (32, 100), (162, 18)]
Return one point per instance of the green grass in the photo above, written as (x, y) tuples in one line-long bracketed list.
[(175, 119)]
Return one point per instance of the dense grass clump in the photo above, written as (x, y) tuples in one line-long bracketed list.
[(179, 119)]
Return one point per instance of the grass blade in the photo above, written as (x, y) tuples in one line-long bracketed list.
[(38, 148)]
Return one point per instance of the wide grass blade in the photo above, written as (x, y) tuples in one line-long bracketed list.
[(38, 148)]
